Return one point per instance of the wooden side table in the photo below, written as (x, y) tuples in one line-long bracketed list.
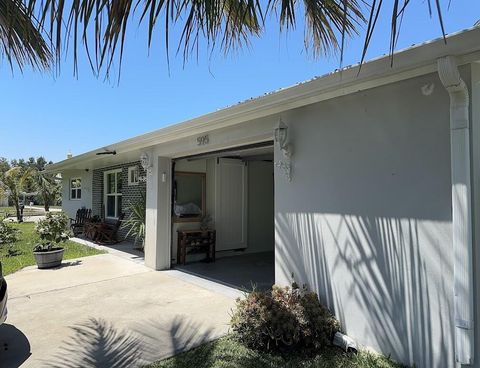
[(195, 241)]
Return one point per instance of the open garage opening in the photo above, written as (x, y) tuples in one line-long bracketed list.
[(223, 216)]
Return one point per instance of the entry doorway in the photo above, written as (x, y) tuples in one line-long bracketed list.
[(236, 200)]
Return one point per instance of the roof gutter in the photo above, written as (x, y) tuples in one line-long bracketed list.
[(461, 208), (409, 63)]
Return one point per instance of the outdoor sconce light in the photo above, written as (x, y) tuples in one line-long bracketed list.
[(280, 136), (146, 164)]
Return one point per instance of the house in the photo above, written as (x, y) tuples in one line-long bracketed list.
[(363, 183)]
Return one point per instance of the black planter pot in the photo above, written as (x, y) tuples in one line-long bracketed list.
[(49, 258)]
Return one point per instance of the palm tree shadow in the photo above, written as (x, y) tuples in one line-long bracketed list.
[(374, 273), (98, 343), (179, 335)]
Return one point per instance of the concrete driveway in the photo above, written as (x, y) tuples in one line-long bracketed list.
[(107, 311)]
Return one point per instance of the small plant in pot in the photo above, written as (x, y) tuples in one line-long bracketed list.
[(53, 230)]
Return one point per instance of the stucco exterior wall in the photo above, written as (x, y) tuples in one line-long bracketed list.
[(70, 206), (366, 220)]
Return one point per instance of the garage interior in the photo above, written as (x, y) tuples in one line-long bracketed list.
[(231, 192)]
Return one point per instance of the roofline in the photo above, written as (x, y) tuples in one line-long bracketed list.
[(408, 63)]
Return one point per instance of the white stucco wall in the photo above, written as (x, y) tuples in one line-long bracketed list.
[(71, 206), (366, 220)]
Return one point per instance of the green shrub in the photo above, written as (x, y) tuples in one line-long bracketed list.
[(8, 234), (135, 223), (52, 230), (283, 319)]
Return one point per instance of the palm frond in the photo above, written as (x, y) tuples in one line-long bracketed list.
[(101, 26), (135, 222), (327, 22), (399, 8), (21, 38)]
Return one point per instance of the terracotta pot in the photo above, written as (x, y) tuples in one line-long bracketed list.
[(49, 259)]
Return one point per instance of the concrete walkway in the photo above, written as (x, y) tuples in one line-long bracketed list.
[(107, 311)]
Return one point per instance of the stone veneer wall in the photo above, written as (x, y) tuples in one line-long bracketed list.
[(130, 193)]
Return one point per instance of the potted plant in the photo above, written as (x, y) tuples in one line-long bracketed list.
[(52, 231)]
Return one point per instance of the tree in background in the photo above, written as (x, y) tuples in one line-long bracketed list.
[(13, 182), (47, 186), (4, 165)]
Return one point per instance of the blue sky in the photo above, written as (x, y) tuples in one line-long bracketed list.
[(42, 114)]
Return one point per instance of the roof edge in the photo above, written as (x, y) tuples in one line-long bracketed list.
[(407, 63)]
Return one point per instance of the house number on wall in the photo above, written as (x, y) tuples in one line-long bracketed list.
[(203, 140)]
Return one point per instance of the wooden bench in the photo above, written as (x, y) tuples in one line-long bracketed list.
[(195, 241)]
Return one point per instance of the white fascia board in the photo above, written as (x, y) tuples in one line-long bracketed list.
[(408, 63)]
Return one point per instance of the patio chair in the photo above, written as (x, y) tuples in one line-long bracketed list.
[(106, 232), (78, 223)]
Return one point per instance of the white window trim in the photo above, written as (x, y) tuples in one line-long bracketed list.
[(130, 169), (105, 195), (70, 189)]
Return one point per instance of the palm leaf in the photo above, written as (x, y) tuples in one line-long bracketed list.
[(101, 26), (21, 39), (135, 222), (398, 11)]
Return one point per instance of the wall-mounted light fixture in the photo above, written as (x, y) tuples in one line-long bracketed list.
[(280, 135), (281, 138), (146, 163)]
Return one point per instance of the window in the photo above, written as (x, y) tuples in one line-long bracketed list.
[(76, 188), (113, 193), (133, 175)]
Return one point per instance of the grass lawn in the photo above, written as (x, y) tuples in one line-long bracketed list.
[(228, 353), (22, 249)]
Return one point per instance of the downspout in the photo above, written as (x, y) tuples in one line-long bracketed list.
[(461, 208)]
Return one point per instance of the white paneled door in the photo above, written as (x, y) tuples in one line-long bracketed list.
[(231, 204)]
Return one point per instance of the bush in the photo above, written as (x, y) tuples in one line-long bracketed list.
[(53, 229), (283, 319), (8, 234)]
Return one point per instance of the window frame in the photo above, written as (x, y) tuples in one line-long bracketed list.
[(115, 195), (71, 189), (130, 169)]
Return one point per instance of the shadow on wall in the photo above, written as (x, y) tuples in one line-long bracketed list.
[(97, 343), (386, 289)]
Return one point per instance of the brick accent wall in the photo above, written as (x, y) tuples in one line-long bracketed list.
[(130, 193)]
